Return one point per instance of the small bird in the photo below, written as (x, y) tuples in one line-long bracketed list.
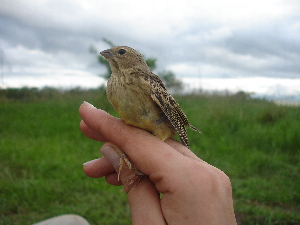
[(140, 97)]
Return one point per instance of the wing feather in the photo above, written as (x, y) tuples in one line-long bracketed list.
[(168, 105), (170, 108)]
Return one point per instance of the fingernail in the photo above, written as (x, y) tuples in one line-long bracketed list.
[(89, 162), (111, 155), (88, 104)]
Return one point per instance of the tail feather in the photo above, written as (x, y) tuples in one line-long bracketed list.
[(194, 128)]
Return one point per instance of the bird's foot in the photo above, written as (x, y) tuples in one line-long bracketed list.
[(132, 175)]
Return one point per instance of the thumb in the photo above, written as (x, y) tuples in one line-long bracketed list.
[(143, 198), (128, 174)]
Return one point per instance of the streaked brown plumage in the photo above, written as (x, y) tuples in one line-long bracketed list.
[(140, 97)]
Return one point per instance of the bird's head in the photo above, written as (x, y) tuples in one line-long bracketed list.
[(123, 57)]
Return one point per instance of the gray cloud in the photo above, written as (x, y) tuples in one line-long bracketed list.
[(37, 37)]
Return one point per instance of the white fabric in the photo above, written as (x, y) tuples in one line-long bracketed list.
[(68, 219)]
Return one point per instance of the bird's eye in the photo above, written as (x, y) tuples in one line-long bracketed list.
[(122, 51)]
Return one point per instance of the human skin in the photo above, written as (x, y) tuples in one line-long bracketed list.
[(179, 188)]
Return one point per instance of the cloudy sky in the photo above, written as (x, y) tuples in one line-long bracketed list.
[(46, 42)]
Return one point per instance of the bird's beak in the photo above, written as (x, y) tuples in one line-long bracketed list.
[(107, 53)]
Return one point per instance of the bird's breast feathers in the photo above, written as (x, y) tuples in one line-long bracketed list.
[(134, 104)]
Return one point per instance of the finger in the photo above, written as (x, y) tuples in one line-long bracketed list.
[(101, 168), (144, 149), (144, 203), (143, 198), (98, 168), (127, 173), (113, 179), (87, 131), (182, 149)]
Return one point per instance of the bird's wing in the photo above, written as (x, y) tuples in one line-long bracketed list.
[(170, 107)]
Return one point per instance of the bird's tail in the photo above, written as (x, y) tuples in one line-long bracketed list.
[(194, 128)]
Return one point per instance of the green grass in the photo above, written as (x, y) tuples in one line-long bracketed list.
[(255, 142)]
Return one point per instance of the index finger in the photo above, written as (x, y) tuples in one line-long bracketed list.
[(145, 150)]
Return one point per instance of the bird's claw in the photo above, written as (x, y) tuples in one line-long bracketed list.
[(136, 175)]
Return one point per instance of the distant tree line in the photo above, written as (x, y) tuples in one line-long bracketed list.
[(26, 94)]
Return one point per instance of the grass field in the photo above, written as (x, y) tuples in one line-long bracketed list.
[(255, 142)]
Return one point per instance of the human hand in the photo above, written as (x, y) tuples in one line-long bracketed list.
[(193, 192)]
